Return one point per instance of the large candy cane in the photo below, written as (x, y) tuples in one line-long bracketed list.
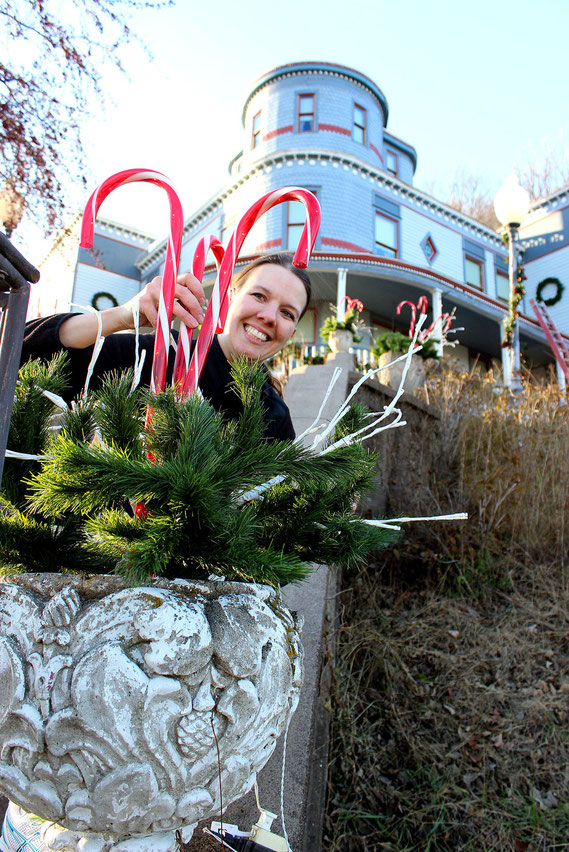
[(422, 306), (217, 309), (168, 290), (413, 315), (182, 362)]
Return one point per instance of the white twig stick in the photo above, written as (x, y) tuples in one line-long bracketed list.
[(12, 454), (376, 522), (254, 493), (349, 439), (335, 376), (57, 400), (344, 408)]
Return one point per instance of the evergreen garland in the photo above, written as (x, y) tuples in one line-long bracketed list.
[(515, 299), (198, 519)]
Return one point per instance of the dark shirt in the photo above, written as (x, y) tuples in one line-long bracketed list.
[(41, 340)]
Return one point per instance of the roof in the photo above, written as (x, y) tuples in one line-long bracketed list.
[(293, 68)]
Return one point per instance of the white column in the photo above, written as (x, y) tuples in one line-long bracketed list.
[(561, 380), (437, 311), (341, 294), (506, 357)]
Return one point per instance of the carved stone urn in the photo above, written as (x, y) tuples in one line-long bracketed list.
[(340, 340), (391, 375), (126, 712)]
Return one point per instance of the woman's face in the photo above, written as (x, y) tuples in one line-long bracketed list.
[(263, 313)]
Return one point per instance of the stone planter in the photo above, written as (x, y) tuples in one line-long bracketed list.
[(391, 375), (114, 703), (340, 340)]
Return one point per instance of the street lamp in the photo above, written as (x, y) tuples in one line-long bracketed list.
[(512, 205)]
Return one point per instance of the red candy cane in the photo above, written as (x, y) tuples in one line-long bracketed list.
[(216, 313), (168, 290), (182, 362), (413, 317), (422, 306)]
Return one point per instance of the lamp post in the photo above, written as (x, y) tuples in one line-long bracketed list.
[(512, 205)]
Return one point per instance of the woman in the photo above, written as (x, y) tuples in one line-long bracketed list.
[(267, 299)]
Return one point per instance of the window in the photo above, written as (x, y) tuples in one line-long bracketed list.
[(296, 214), (359, 129), (256, 133), (305, 113), (503, 286), (474, 272), (391, 162), (386, 236), (429, 248)]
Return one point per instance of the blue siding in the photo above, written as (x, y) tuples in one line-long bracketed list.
[(112, 255)]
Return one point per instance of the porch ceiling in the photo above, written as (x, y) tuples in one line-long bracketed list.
[(381, 295)]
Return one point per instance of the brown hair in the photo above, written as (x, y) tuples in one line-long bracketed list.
[(283, 259)]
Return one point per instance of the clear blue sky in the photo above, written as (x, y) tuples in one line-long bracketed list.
[(476, 87)]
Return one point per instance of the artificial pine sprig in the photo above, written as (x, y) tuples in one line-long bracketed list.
[(199, 519), (29, 426)]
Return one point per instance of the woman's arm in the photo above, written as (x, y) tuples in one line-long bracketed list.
[(80, 330)]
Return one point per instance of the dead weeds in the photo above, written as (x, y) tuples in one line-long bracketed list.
[(451, 720), (450, 689)]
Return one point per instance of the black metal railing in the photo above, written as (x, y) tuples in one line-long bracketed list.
[(16, 273)]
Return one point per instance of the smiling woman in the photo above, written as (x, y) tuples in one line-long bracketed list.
[(267, 299)]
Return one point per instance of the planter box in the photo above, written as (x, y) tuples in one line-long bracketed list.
[(118, 705)]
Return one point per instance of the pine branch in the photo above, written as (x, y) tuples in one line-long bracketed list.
[(120, 413), (29, 426)]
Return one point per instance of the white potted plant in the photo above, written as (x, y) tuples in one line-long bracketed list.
[(340, 334)]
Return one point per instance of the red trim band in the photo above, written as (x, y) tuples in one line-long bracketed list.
[(334, 128), (329, 241), (269, 245), (280, 130)]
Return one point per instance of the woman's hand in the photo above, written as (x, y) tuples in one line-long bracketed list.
[(80, 330), (189, 302)]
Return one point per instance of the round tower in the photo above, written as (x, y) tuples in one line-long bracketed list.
[(320, 106)]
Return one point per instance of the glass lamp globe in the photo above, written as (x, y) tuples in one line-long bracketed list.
[(511, 202)]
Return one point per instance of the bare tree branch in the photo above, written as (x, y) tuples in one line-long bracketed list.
[(51, 54)]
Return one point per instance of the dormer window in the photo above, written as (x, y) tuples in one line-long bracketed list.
[(256, 131), (391, 162), (359, 128), (305, 113)]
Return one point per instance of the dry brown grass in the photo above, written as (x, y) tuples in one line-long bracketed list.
[(451, 684)]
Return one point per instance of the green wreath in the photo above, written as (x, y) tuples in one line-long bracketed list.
[(554, 299), (103, 295)]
